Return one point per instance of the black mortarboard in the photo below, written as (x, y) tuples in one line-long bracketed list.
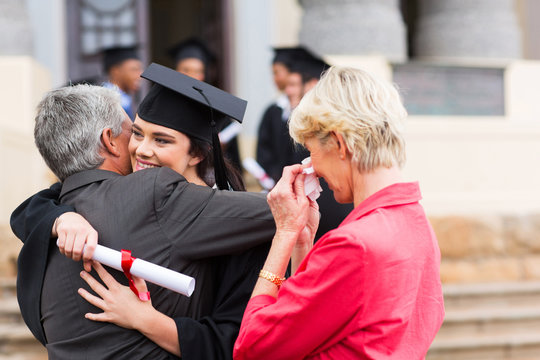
[(192, 48), (116, 55), (290, 55), (193, 107), (308, 65)]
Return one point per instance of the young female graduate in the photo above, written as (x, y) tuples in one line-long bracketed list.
[(168, 131), (193, 58)]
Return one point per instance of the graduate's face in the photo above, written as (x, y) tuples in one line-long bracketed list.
[(330, 164), (281, 73), (294, 89), (191, 67), (154, 145)]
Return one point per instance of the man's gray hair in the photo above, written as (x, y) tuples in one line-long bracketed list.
[(69, 124)]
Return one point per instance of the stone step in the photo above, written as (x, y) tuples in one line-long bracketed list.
[(494, 295), (8, 287), (493, 321), (9, 311), (16, 341), (25, 356), (477, 321), (506, 346)]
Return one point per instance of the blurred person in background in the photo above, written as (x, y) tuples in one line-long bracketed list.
[(123, 68), (275, 149)]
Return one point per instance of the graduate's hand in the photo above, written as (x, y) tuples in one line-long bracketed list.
[(119, 304), (288, 203), (74, 232)]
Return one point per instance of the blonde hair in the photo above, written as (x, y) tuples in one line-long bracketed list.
[(367, 112)]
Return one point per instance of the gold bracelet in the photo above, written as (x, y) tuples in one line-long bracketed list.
[(273, 278)]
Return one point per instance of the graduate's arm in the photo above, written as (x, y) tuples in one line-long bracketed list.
[(213, 337), (43, 218), (36, 215), (206, 223), (232, 222), (122, 307)]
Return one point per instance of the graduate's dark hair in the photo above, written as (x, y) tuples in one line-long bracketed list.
[(205, 168)]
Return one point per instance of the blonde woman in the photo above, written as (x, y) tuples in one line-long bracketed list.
[(370, 289)]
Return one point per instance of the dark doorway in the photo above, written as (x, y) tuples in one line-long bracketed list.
[(174, 21), (93, 25)]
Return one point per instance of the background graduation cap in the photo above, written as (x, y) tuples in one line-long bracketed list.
[(193, 107), (308, 65), (116, 55), (288, 56), (192, 48)]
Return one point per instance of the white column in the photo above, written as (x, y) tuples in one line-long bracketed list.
[(467, 29), (354, 27), (16, 38)]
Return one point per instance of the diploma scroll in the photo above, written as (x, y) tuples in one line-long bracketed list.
[(153, 273), (229, 132), (253, 167)]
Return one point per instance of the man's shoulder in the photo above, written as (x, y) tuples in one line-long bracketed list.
[(108, 184), (148, 177)]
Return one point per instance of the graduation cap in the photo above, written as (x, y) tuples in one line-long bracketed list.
[(190, 106), (116, 55), (288, 56), (308, 65), (191, 48)]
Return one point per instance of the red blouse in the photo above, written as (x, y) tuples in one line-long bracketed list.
[(369, 289)]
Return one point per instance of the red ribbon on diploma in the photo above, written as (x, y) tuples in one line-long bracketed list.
[(127, 261)]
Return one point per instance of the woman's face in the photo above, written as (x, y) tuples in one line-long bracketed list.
[(329, 163), (154, 145)]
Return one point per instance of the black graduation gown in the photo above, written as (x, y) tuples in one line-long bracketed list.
[(210, 334), (275, 148), (32, 222)]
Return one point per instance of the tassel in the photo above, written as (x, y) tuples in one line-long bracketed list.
[(220, 171)]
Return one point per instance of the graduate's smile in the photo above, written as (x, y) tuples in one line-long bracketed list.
[(140, 165)]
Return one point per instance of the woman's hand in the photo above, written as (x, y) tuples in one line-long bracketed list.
[(74, 232), (288, 203), (119, 304), (308, 232), (307, 236)]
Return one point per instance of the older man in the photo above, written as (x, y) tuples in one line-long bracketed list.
[(82, 133)]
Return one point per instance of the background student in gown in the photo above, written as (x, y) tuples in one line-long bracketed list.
[(123, 68), (370, 288)]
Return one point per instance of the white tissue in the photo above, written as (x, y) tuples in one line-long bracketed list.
[(312, 187)]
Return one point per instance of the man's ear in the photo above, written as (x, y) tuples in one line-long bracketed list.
[(109, 143)]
